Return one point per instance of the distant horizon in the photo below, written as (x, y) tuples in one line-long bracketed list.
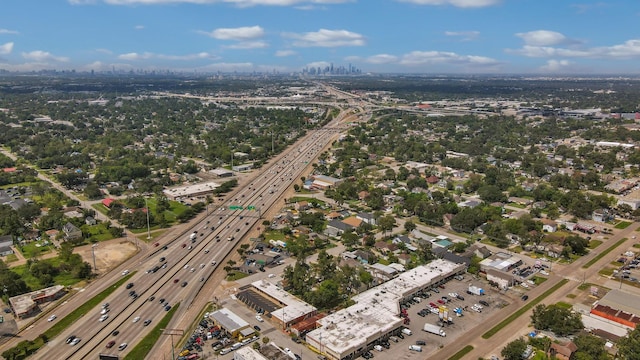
[(287, 36), (196, 73)]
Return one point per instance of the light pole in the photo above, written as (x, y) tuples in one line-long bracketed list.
[(93, 254)]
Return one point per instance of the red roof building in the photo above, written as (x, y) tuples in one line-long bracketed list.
[(107, 202)]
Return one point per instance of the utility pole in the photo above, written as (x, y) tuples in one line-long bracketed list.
[(93, 254), (172, 332), (148, 228)]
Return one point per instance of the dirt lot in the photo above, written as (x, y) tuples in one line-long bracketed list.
[(108, 254)]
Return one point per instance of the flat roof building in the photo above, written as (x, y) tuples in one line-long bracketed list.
[(376, 312), (229, 321), (189, 191), (247, 353), (293, 310), (26, 305)]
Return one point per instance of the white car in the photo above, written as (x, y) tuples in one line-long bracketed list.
[(192, 270), (259, 318), (104, 311), (75, 341), (51, 318), (103, 318), (213, 262), (126, 272), (201, 265), (271, 275), (186, 266), (206, 251), (136, 319)]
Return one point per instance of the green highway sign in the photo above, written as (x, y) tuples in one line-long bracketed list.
[(235, 207), (251, 207)]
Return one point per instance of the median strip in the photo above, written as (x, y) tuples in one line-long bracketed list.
[(602, 254), (145, 345), (523, 309)]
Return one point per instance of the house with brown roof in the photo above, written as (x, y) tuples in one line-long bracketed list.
[(562, 351), (432, 180), (352, 221), (385, 247), (333, 216), (549, 225), (362, 195), (302, 206)]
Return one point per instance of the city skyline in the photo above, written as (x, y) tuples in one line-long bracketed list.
[(283, 36)]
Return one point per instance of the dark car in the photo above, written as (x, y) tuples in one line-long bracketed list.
[(132, 292), (147, 322), (161, 300), (183, 284), (164, 247), (162, 259), (525, 297), (151, 298), (421, 342), (115, 333), (256, 327), (129, 285), (70, 339), (7, 310), (483, 303), (110, 344), (167, 308), (460, 297)]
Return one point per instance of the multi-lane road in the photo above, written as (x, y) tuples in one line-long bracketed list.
[(189, 265)]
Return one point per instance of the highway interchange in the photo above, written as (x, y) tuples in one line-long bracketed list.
[(189, 265)]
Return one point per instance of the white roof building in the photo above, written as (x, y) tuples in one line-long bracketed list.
[(376, 312), (293, 308)]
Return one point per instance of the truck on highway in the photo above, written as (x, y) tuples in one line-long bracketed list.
[(193, 236), (475, 290), (434, 329)]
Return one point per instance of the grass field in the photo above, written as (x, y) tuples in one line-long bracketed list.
[(63, 278)]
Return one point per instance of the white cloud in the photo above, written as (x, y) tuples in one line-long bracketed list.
[(318, 64), (442, 57), (243, 45), (139, 27), (463, 35), (545, 38), (133, 56), (7, 31), (326, 38), (556, 65), (6, 48), (382, 59), (239, 3), (285, 53), (456, 3), (626, 50), (43, 56), (239, 34)]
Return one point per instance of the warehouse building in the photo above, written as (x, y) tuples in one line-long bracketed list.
[(618, 307), (376, 314)]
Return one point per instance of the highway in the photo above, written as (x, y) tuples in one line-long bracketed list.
[(189, 265)]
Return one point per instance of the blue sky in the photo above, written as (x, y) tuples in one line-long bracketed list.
[(394, 36)]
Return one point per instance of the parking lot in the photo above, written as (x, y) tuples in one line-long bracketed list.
[(492, 301)]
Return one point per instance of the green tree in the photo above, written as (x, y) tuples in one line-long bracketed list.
[(514, 349), (409, 226), (557, 319), (629, 346), (590, 347), (386, 223)]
